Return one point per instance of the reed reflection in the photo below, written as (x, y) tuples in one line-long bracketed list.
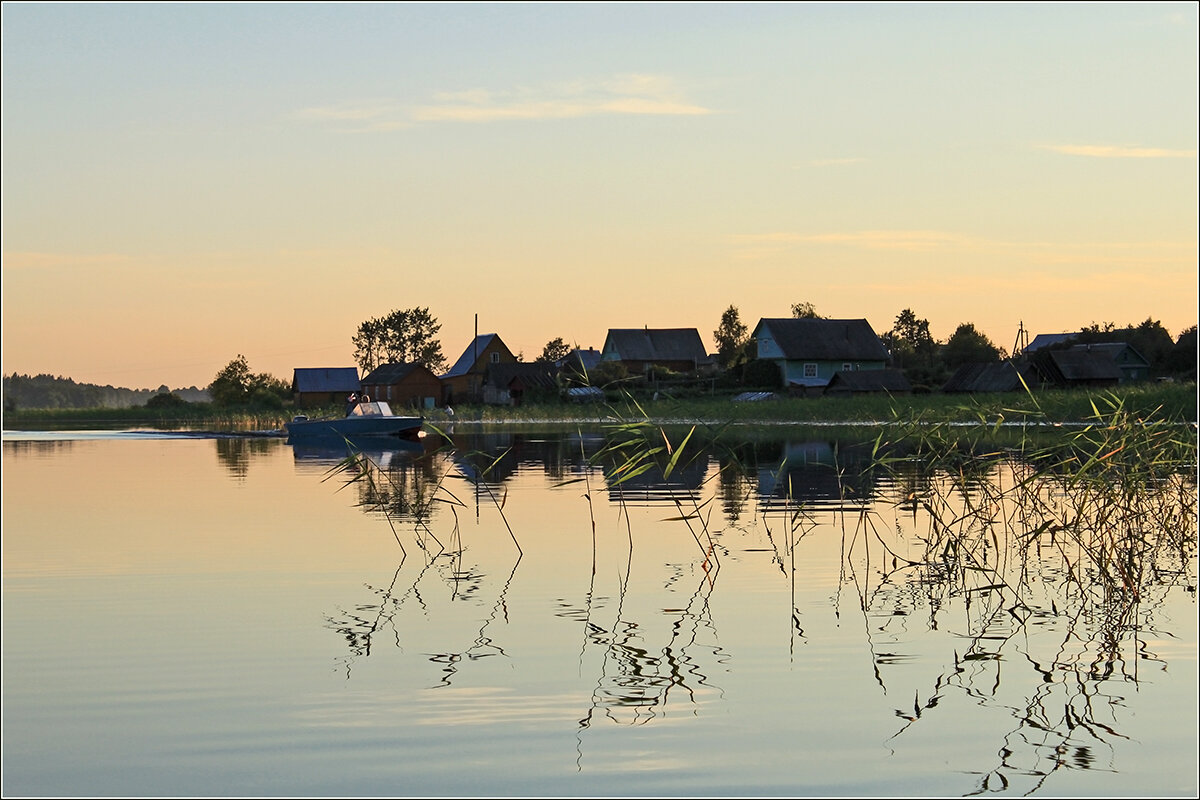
[(984, 580)]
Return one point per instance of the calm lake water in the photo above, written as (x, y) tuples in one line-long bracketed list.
[(216, 616)]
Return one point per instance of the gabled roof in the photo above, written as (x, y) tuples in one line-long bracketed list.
[(996, 376), (656, 344), (813, 339), (1115, 350), (1085, 365), (475, 349), (386, 374), (580, 358), (530, 374), (869, 380), (325, 379)]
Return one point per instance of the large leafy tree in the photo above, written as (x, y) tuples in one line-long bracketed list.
[(968, 346), (555, 350), (402, 336), (236, 385), (732, 338), (914, 350), (805, 310)]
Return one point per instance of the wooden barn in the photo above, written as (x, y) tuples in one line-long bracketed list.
[(314, 387), (403, 385)]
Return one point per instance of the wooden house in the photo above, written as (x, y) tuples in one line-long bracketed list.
[(403, 385), (1076, 367), (1132, 364), (641, 349), (314, 387), (464, 381), (511, 384), (810, 351)]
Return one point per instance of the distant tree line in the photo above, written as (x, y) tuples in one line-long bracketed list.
[(50, 391)]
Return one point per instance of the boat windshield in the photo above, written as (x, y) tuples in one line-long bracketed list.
[(374, 409)]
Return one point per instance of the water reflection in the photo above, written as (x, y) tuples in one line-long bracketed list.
[(941, 568)]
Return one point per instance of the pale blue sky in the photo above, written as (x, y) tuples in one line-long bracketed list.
[(259, 179)]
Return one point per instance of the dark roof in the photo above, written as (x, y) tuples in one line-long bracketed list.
[(869, 380), (995, 376), (825, 339), (325, 379), (1081, 364), (1048, 339), (656, 344), (387, 374), (1116, 351), (587, 359), (530, 375), (467, 360)]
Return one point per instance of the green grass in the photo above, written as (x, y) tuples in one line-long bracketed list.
[(1172, 402)]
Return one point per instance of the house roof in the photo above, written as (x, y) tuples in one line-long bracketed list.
[(869, 380), (587, 359), (1048, 339), (996, 376), (325, 379), (530, 375), (817, 339), (1085, 365), (386, 374), (656, 344), (1115, 351), (467, 360)]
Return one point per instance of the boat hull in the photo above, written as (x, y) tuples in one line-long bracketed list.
[(354, 428)]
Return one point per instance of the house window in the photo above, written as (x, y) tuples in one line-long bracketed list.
[(846, 367), (810, 370), (495, 358)]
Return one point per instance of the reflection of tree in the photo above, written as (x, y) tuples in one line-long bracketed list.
[(235, 452)]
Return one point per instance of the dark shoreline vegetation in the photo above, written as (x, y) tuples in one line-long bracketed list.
[(1170, 402)]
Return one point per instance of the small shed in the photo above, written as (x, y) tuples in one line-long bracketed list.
[(314, 387), (403, 384), (996, 376), (888, 381)]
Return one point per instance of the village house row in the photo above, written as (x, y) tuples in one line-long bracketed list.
[(814, 356)]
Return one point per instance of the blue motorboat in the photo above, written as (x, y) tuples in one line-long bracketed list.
[(366, 418)]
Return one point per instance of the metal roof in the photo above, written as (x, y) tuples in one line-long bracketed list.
[(325, 379), (815, 339), (869, 380), (467, 360)]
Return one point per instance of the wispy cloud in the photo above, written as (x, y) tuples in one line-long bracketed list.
[(625, 94), (1117, 151), (653, 95), (43, 260)]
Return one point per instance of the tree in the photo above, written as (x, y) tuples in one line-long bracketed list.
[(554, 351), (968, 346), (235, 385), (231, 386), (914, 350), (403, 336), (805, 310), (731, 337)]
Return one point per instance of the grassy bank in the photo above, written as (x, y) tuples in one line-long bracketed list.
[(1171, 402)]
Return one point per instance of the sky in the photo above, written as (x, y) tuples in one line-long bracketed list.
[(186, 183)]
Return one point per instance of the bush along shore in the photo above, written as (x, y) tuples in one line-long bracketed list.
[(1170, 402)]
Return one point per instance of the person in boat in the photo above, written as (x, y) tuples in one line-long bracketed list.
[(351, 402)]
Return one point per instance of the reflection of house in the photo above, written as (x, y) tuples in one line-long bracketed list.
[(412, 385), (464, 381), (997, 376), (641, 349), (509, 384), (323, 386), (810, 351)]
